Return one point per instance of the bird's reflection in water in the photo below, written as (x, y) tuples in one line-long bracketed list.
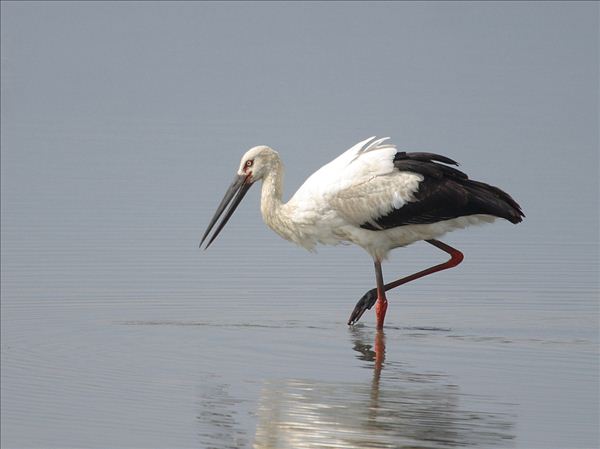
[(398, 408)]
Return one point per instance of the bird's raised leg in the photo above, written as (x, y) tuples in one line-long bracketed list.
[(368, 300)]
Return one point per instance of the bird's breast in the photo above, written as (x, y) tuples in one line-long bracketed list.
[(306, 225)]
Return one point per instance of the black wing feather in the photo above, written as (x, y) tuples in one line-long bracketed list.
[(444, 193), (424, 157)]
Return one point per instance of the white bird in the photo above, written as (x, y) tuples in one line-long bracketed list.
[(372, 196)]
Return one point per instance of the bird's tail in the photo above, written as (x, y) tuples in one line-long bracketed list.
[(493, 201)]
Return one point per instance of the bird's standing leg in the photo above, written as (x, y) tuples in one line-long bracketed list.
[(381, 306), (368, 300)]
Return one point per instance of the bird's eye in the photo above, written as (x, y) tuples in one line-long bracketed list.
[(249, 163)]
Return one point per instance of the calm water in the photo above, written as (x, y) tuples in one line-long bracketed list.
[(122, 126)]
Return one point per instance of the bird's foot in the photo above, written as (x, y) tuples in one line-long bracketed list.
[(365, 303)]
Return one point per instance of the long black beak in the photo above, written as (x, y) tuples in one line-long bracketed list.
[(233, 197)]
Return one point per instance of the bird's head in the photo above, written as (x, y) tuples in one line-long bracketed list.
[(256, 163)]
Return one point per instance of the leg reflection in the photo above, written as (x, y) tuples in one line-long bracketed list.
[(379, 359), (375, 354), (379, 352)]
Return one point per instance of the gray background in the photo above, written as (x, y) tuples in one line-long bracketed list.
[(122, 124)]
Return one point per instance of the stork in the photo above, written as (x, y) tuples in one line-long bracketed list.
[(373, 196)]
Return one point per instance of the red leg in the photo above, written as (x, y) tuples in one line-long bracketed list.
[(456, 257), (381, 305), (369, 299)]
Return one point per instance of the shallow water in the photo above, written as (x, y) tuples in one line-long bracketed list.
[(122, 127), (190, 349)]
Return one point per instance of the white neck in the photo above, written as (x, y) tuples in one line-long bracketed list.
[(272, 193), (271, 205)]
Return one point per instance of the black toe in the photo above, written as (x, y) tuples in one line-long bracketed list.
[(365, 303)]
